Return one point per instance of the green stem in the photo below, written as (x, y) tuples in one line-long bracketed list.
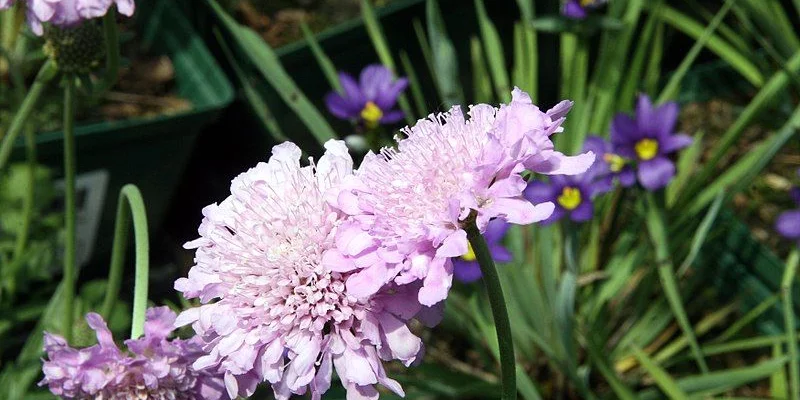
[(658, 235), (502, 325), (30, 193), (70, 260), (44, 76), (789, 322), (130, 204), (112, 49)]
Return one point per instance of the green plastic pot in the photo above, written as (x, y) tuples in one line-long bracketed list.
[(350, 49), (150, 152)]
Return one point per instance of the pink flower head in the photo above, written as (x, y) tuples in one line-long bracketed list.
[(282, 315), (408, 203), (68, 13), (156, 368)]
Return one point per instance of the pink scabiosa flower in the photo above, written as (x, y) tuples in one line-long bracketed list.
[(68, 13), (408, 204), (155, 367), (282, 314)]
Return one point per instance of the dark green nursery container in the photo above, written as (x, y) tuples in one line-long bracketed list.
[(349, 47), (150, 152)]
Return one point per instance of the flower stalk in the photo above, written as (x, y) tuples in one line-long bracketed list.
[(45, 75), (70, 260), (499, 311), (666, 272)]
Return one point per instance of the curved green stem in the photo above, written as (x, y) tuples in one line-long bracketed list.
[(44, 76), (130, 204), (502, 325), (70, 260), (789, 322), (658, 235)]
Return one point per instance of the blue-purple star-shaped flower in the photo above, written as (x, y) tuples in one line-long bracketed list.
[(371, 100), (649, 139)]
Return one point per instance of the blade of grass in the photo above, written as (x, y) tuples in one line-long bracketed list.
[(257, 103), (325, 63), (738, 176), (658, 235), (778, 384), (445, 59), (652, 76), (267, 63), (598, 358), (687, 162), (494, 53), (701, 233), (381, 46), (526, 386), (789, 322), (659, 375), (481, 82), (716, 44), (416, 88), (670, 91), (746, 319), (630, 86)]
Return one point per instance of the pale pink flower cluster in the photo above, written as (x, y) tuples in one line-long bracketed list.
[(407, 205), (319, 268)]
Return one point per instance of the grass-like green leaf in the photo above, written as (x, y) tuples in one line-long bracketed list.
[(704, 386), (701, 233), (481, 81), (659, 375), (494, 53), (445, 59), (670, 91), (257, 103), (269, 66), (381, 46), (413, 83), (740, 62), (325, 63)]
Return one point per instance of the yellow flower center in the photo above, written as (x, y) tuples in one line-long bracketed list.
[(470, 256), (371, 114), (646, 149), (585, 3), (570, 198), (615, 161)]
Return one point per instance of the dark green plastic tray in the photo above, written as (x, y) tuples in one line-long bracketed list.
[(150, 152), (746, 269)]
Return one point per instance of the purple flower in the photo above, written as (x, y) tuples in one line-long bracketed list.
[(578, 9), (370, 100), (573, 9), (573, 194), (649, 140), (275, 307), (68, 13), (466, 268), (154, 368), (609, 165), (788, 223), (407, 204)]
